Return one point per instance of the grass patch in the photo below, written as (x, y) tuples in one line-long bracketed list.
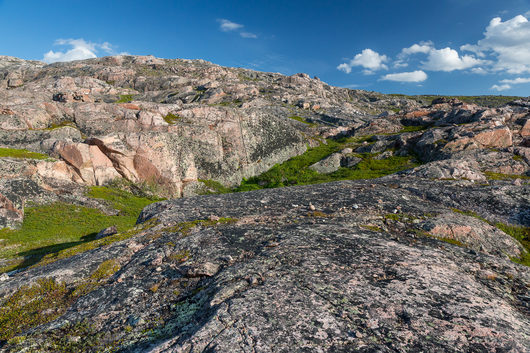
[(60, 125), (214, 187), (21, 153), (125, 98), (372, 228), (296, 170), (31, 306), (302, 120), (500, 176), (413, 128), (485, 101), (51, 231), (171, 119), (185, 228)]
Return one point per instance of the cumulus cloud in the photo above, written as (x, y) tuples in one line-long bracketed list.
[(508, 83), (448, 59), (368, 59), (228, 26), (508, 42), (414, 76), (423, 47), (516, 81), (79, 50), (500, 88)]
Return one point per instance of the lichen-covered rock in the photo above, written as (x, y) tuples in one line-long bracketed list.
[(261, 271)]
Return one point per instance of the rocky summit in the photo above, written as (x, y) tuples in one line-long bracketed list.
[(153, 205)]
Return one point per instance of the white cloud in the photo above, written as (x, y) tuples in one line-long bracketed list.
[(500, 88), (517, 81), (228, 26), (368, 59), (344, 67), (423, 47), (415, 76), (248, 35), (448, 59), (80, 50), (508, 42), (507, 83)]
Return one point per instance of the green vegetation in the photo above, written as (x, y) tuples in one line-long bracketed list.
[(413, 128), (302, 120), (21, 153), (296, 170), (54, 230), (214, 187), (34, 305), (61, 124), (500, 176), (372, 228), (125, 98), (485, 101), (185, 228), (171, 119)]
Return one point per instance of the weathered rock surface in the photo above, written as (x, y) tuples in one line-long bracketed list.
[(341, 276), (169, 123)]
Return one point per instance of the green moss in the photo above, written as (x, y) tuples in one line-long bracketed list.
[(500, 176), (61, 124), (214, 187), (413, 128), (302, 120), (56, 230), (171, 118), (125, 98), (185, 227), (296, 170), (372, 228), (31, 306), (180, 256), (21, 153), (517, 158), (452, 241)]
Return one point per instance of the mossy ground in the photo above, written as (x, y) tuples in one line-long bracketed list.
[(296, 170), (21, 153), (125, 98), (34, 305), (50, 230), (485, 101)]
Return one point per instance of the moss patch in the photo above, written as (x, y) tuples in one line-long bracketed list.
[(21, 153), (500, 176), (296, 170), (171, 118), (302, 120), (54, 230), (125, 98), (31, 306)]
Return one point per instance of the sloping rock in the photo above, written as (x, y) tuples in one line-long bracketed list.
[(328, 164), (474, 233), (282, 277)]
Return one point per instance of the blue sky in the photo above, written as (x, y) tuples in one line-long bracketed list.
[(469, 47)]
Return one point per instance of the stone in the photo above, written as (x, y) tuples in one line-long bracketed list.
[(107, 232), (327, 165)]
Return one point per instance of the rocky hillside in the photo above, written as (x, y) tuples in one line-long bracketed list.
[(406, 226)]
